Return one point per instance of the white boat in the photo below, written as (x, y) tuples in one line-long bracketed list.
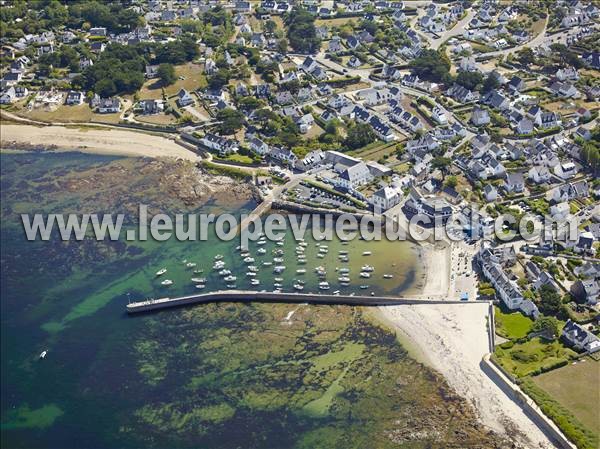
[(343, 252), (261, 251), (198, 271), (344, 259), (388, 276), (218, 256), (267, 264), (248, 260), (344, 270), (253, 268), (278, 259), (279, 243), (321, 271), (218, 265), (278, 269), (324, 285), (298, 287), (364, 274), (278, 279), (303, 244), (261, 242), (300, 271), (277, 285), (224, 272), (278, 252), (161, 271), (367, 253), (250, 274), (302, 261), (337, 292), (200, 286), (199, 280), (231, 286), (230, 278), (254, 282), (367, 268), (167, 282), (190, 264), (344, 279), (245, 254), (321, 256), (364, 287), (43, 354)]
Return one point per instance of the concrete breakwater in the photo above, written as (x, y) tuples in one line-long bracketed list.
[(295, 298)]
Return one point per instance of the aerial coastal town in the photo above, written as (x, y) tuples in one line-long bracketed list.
[(451, 111)]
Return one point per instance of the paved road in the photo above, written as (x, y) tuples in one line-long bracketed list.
[(535, 42)]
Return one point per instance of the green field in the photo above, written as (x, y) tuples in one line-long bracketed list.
[(522, 359), (576, 388), (511, 325)]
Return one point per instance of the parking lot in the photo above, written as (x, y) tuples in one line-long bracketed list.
[(315, 195)]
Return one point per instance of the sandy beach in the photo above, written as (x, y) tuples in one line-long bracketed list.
[(453, 340), (116, 142)]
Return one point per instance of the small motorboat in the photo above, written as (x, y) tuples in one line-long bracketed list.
[(278, 269), (267, 264), (324, 285), (161, 271), (367, 268), (218, 256), (43, 354), (261, 251), (344, 279), (278, 259), (388, 276), (224, 272), (199, 280), (248, 259), (261, 242), (337, 292), (364, 287), (190, 264), (250, 274), (230, 278), (254, 282), (167, 282), (278, 279), (199, 271), (367, 253), (200, 286), (300, 271), (364, 274), (298, 287), (231, 286)]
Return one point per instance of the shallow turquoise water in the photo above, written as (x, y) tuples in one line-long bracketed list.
[(71, 302)]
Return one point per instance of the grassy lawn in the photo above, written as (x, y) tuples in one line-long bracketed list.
[(80, 113), (158, 119), (570, 386), (194, 79), (523, 359), (336, 22), (511, 325)]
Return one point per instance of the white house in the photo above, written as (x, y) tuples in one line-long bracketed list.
[(355, 175)]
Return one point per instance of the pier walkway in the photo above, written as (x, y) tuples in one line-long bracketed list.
[(295, 298)]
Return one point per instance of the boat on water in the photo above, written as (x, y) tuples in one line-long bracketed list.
[(278, 252), (367, 253), (303, 244), (218, 265), (254, 282), (324, 285), (253, 268), (278, 259), (302, 261), (230, 278), (43, 354), (218, 256), (198, 271), (367, 268), (388, 276), (245, 254), (248, 259), (344, 270), (280, 243), (261, 242), (300, 271), (364, 274), (300, 281), (232, 286), (167, 282), (364, 287), (200, 286), (277, 285), (199, 280), (278, 269), (298, 287), (337, 292), (344, 259), (190, 264), (161, 271), (250, 274), (344, 279), (224, 272), (261, 251), (267, 264), (321, 256), (278, 279), (342, 252)]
